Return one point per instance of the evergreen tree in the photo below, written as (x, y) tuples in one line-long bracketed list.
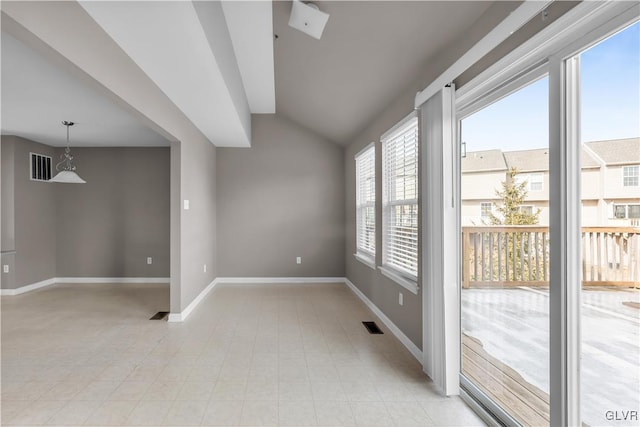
[(512, 195)]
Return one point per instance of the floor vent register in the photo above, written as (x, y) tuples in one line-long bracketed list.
[(159, 315), (372, 328)]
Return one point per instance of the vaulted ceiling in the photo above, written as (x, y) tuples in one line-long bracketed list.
[(369, 53), (219, 65)]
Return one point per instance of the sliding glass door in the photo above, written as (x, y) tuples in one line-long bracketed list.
[(549, 206), (504, 211), (609, 75)]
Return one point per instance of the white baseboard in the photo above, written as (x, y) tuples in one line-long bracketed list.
[(417, 353), (91, 280), (182, 316), (87, 280), (278, 280), (27, 288)]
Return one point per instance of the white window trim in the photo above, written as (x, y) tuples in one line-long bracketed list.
[(366, 259), (364, 255), (637, 175), (626, 207), (550, 49), (531, 181), (364, 149), (488, 215), (401, 277), (404, 281), (615, 206), (521, 208)]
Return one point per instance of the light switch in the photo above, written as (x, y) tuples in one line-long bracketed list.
[(186, 205), (5, 268), (149, 260)]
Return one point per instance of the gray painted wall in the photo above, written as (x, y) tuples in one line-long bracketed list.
[(7, 219), (110, 225), (7, 223), (104, 228), (279, 199), (31, 232), (197, 231), (100, 62), (378, 288)]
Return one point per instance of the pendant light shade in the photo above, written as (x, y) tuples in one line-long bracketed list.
[(66, 169)]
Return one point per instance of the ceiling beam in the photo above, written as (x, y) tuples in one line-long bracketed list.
[(187, 52), (65, 31)]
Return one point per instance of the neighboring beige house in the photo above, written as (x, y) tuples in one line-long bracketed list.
[(482, 174), (533, 168), (610, 182), (619, 199)]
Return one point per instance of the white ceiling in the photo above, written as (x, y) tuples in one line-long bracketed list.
[(37, 96)]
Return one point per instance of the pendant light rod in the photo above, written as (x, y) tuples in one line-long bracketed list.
[(66, 169)]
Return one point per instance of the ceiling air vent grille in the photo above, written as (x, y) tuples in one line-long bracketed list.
[(40, 167)]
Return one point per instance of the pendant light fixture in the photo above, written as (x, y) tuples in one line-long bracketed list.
[(66, 169)]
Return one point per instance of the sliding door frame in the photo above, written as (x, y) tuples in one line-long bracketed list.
[(552, 52)]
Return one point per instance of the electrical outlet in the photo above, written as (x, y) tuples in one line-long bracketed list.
[(5, 268), (149, 260), (400, 298), (205, 268), (299, 260)]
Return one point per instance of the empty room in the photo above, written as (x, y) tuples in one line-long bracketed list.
[(331, 213)]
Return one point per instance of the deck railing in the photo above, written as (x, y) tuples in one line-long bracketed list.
[(507, 256)]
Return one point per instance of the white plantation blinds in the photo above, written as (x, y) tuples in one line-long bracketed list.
[(366, 202), (400, 198)]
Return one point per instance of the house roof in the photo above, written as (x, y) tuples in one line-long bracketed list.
[(536, 160), (528, 160), (617, 151), (478, 161), (587, 160)]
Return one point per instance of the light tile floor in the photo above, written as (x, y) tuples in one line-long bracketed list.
[(249, 355)]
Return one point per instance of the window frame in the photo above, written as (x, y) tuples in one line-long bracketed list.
[(482, 211), (553, 50), (528, 179), (526, 209), (619, 208), (539, 180), (398, 273), (624, 208), (627, 174), (363, 254)]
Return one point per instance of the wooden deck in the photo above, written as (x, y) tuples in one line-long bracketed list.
[(525, 402)]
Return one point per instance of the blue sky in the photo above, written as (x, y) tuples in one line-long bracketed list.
[(610, 79)]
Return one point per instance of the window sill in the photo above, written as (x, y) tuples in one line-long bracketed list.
[(406, 283), (366, 260)]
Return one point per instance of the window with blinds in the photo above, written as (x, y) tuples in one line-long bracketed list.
[(400, 198), (366, 202)]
